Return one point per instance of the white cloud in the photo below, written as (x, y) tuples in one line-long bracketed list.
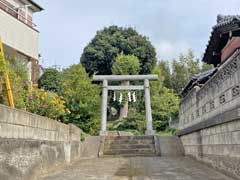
[(171, 49)]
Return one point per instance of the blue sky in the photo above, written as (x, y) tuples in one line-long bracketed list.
[(173, 26)]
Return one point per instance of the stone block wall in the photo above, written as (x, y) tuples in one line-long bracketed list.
[(210, 119), (218, 146), (31, 145)]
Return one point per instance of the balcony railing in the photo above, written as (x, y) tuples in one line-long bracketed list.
[(14, 13)]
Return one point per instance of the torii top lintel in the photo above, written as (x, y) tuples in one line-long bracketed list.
[(124, 77)]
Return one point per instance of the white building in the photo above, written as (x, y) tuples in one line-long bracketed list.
[(19, 34)]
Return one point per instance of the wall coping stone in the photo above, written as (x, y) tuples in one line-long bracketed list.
[(227, 116)]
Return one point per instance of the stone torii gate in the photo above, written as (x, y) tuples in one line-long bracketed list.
[(106, 78)]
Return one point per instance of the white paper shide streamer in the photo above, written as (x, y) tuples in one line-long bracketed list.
[(134, 97), (129, 97), (114, 96)]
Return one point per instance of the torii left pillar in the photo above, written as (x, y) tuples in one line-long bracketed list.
[(104, 108)]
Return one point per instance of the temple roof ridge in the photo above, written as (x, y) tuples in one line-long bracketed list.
[(225, 19)]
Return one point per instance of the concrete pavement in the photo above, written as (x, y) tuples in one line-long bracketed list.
[(137, 168)]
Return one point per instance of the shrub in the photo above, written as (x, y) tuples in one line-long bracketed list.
[(82, 99), (19, 80), (135, 123), (47, 104)]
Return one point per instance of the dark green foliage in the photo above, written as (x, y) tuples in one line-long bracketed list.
[(82, 99), (99, 54), (164, 103), (171, 131), (135, 123), (50, 80)]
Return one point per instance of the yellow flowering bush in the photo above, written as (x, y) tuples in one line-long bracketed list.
[(47, 104)]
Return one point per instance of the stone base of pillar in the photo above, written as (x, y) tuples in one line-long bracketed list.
[(149, 132), (103, 133)]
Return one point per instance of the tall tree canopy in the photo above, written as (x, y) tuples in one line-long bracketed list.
[(165, 73), (99, 54), (164, 101), (177, 74)]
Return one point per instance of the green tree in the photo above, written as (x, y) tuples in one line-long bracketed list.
[(179, 76), (206, 67), (192, 64), (125, 65), (99, 54), (165, 72), (82, 99), (164, 103), (50, 80), (183, 69)]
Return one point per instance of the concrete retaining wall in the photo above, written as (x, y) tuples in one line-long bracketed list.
[(169, 146), (91, 147), (31, 145)]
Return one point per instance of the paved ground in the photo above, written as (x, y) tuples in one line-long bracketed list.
[(137, 168)]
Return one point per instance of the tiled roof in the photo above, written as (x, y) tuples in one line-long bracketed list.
[(198, 79), (224, 23)]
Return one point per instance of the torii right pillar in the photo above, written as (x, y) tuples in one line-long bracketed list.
[(148, 109)]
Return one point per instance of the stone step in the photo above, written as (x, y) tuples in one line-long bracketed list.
[(129, 142), (129, 146), (129, 151), (128, 155), (129, 138)]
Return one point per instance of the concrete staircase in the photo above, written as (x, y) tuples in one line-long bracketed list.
[(129, 146)]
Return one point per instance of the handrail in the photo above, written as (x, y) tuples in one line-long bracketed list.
[(5, 7)]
